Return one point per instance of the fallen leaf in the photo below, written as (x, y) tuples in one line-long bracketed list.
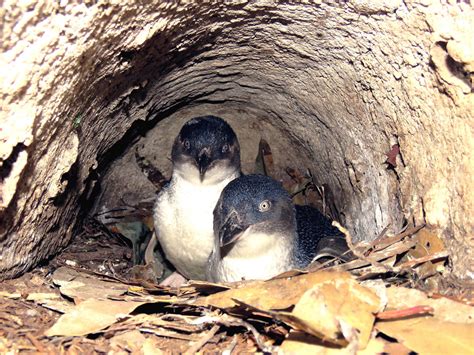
[(129, 341), (336, 301), (272, 294), (428, 243), (80, 286), (431, 336), (392, 156), (91, 316), (444, 309), (301, 343), (151, 347), (264, 161), (40, 296), (34, 296)]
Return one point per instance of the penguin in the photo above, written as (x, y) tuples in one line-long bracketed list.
[(257, 234), (205, 157)]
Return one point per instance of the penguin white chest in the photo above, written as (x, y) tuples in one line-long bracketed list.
[(261, 258), (184, 223)]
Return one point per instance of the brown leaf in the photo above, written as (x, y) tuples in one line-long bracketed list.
[(79, 286), (431, 336), (272, 294), (91, 316), (444, 309), (392, 156), (151, 346), (264, 160), (301, 343), (428, 243), (336, 301), (129, 341)]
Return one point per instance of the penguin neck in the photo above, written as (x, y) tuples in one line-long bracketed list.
[(256, 245), (188, 174)]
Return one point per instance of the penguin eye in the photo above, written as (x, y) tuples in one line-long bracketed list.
[(186, 144), (264, 206), (225, 148)]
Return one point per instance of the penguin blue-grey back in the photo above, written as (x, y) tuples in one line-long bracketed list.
[(206, 157), (257, 234)]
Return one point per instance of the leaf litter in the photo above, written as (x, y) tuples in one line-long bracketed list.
[(101, 295)]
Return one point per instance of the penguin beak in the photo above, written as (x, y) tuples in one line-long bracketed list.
[(231, 230), (203, 162)]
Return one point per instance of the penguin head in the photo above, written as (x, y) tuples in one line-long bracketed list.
[(253, 207), (206, 150)]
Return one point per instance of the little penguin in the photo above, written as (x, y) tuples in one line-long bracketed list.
[(257, 234), (205, 157)]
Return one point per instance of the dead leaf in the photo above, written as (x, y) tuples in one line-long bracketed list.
[(272, 294), (301, 343), (336, 301), (444, 309), (428, 243), (80, 286), (129, 341), (264, 161), (431, 336), (151, 347), (91, 316), (392, 156)]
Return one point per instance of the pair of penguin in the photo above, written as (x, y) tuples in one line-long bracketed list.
[(216, 224)]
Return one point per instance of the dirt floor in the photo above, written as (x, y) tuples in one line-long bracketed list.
[(87, 300)]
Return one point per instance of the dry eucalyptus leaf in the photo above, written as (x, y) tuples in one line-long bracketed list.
[(336, 301), (301, 343), (131, 341), (91, 316), (444, 309), (80, 286), (428, 243), (427, 335), (272, 294), (151, 347), (264, 160)]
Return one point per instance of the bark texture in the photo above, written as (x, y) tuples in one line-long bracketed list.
[(331, 85)]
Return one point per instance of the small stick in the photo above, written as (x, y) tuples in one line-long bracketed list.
[(391, 240), (377, 240), (230, 321), (231, 347), (203, 340), (355, 251), (36, 343), (403, 313), (424, 259)]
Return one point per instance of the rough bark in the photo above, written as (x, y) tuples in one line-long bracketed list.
[(333, 85)]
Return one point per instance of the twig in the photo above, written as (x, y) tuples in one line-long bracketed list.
[(377, 240), (355, 251), (231, 347), (36, 343), (203, 340), (165, 333), (391, 240), (423, 259), (230, 321), (403, 313), (393, 250)]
